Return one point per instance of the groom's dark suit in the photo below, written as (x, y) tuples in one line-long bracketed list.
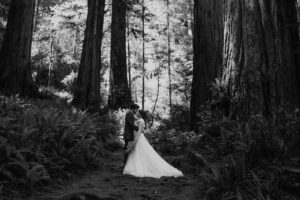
[(128, 131)]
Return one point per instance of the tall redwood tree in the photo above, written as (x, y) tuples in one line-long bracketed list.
[(16, 77), (119, 90), (261, 55), (87, 88), (208, 44)]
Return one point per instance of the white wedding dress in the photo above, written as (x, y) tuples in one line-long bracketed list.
[(144, 161)]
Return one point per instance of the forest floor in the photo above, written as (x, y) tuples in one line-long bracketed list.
[(108, 183)]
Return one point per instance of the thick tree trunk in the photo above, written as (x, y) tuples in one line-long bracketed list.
[(15, 53), (291, 49), (208, 42), (119, 90), (261, 66), (87, 88)]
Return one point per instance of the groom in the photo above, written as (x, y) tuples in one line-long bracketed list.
[(129, 128)]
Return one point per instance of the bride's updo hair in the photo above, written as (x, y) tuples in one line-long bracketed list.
[(143, 114)]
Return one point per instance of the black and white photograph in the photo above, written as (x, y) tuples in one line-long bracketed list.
[(149, 99)]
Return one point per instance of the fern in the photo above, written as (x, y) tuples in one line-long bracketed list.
[(40, 140)]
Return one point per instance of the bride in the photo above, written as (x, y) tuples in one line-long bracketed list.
[(144, 161)]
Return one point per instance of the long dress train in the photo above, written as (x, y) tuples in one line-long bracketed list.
[(144, 161)]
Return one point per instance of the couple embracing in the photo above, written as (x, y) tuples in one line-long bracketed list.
[(140, 159)]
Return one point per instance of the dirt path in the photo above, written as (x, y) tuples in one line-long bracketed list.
[(109, 183)]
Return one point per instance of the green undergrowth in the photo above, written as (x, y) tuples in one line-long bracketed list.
[(42, 141)]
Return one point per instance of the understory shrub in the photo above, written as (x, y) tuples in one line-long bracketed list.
[(40, 141), (179, 118), (254, 159), (250, 160)]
